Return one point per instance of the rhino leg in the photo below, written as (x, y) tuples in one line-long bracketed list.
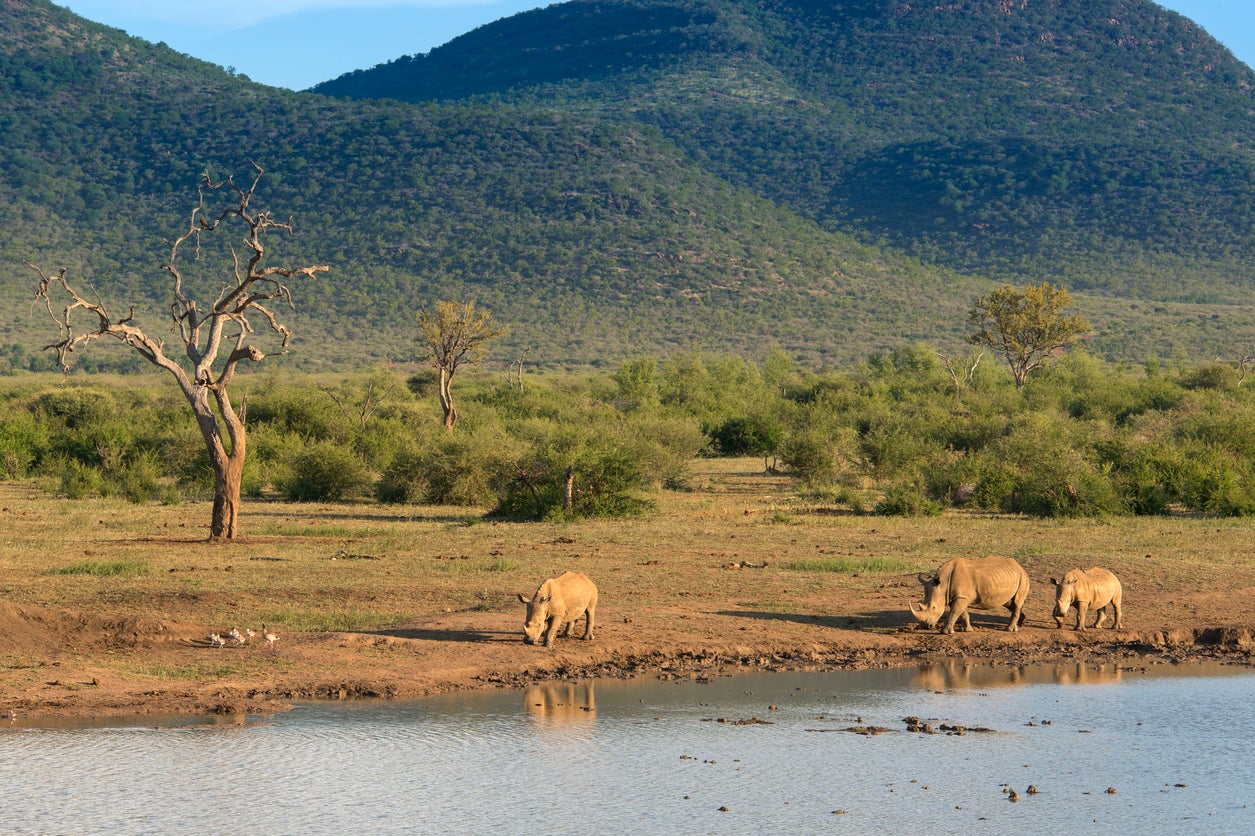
[(1082, 609), (1017, 615), (1115, 604), (588, 624), (1100, 617), (958, 609), (555, 622)]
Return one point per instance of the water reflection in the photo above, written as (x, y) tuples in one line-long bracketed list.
[(955, 674), (561, 702)]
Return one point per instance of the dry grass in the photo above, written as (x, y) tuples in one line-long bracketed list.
[(355, 566), (402, 593)]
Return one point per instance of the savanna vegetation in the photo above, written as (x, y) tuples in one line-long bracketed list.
[(1013, 140), (836, 178), (907, 432)]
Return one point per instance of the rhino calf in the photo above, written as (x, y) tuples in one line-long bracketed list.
[(983, 584), (558, 602), (1096, 589)]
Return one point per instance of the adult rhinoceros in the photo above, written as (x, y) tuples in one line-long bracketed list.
[(986, 583), (1088, 588), (558, 602)]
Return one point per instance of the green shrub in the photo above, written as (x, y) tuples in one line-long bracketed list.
[(907, 499), (755, 435), (1210, 376), (325, 472), (75, 406), (23, 444), (140, 480), (404, 480), (813, 457), (603, 469), (79, 480), (467, 468)]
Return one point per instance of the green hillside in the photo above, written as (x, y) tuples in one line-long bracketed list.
[(594, 235), (1104, 144)]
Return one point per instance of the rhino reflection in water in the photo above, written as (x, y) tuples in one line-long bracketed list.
[(557, 603), (987, 583), (965, 673), (563, 702)]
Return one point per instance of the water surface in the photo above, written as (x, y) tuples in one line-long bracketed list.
[(755, 753)]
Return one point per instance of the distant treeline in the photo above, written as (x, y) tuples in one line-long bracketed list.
[(908, 432)]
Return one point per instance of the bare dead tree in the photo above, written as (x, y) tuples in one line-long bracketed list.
[(360, 406), (518, 380), (966, 372), (214, 341), (1242, 359)]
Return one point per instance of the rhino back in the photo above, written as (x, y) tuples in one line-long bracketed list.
[(573, 591), (1101, 585), (988, 582)]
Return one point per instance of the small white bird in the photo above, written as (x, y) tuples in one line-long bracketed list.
[(269, 636), (236, 636), (216, 640), (248, 631)]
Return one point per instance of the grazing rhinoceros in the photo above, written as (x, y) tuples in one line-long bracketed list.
[(984, 584), (558, 602), (1088, 588)]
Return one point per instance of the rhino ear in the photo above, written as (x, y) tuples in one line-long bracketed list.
[(1054, 582), (924, 579), (524, 600)]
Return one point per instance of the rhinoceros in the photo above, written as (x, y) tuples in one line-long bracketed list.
[(986, 583), (558, 602), (1093, 588)]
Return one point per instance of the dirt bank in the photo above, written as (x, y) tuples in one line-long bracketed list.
[(68, 667)]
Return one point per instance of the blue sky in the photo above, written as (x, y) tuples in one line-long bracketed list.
[(298, 43)]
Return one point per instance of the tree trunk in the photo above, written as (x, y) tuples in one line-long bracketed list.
[(446, 400), (226, 498), (228, 467)]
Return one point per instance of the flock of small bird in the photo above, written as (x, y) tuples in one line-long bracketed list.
[(240, 639)]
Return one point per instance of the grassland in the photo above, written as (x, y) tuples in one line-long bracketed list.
[(106, 607)]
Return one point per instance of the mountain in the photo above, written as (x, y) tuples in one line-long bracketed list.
[(593, 223), (1106, 145)]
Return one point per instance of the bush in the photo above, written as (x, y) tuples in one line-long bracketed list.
[(748, 436), (466, 469), (404, 480), (815, 457), (23, 443), (325, 472), (601, 460), (79, 480), (907, 500)]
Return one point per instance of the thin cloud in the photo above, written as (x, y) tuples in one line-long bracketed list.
[(226, 15)]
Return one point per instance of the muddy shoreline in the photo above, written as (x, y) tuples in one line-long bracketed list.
[(74, 680)]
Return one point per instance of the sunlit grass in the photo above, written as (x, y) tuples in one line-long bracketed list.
[(189, 673), (104, 568), (316, 621), (850, 566)]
